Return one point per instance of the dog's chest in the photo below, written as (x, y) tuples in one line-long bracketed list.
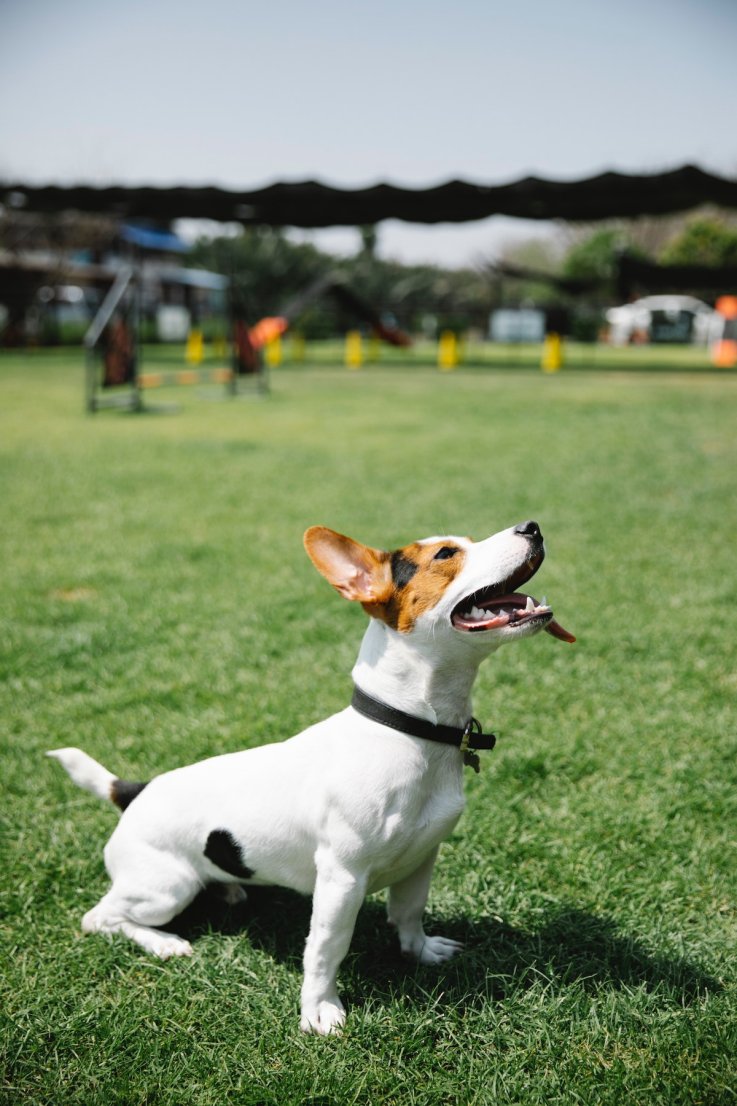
[(410, 832)]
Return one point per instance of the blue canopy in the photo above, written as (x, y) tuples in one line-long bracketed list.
[(152, 238)]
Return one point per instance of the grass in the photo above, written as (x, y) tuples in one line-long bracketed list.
[(158, 608)]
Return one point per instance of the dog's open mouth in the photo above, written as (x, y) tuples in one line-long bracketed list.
[(502, 606)]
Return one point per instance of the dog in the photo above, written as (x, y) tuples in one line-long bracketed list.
[(356, 803)]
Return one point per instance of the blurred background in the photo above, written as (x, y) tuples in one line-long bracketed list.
[(242, 96)]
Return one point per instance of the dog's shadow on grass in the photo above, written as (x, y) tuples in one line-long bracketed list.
[(571, 947)]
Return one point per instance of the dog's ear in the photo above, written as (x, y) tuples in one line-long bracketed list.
[(356, 571)]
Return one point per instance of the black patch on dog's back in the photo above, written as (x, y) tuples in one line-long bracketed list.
[(123, 792), (403, 569), (225, 852)]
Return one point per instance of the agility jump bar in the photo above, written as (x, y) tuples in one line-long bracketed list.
[(148, 380)]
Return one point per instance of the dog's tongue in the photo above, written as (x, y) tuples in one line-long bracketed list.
[(557, 630)]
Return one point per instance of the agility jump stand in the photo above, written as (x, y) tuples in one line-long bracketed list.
[(112, 347), (114, 376), (247, 363)]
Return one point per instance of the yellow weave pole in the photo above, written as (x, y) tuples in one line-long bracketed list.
[(447, 351), (195, 350), (353, 349), (273, 352), (552, 359)]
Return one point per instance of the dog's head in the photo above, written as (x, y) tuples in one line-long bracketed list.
[(449, 583)]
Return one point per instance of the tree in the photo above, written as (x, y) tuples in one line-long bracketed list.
[(704, 241), (595, 258), (265, 267), (534, 259), (267, 270)]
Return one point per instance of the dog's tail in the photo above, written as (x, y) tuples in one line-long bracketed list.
[(91, 776)]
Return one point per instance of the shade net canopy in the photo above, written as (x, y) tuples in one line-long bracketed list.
[(312, 204), (635, 273)]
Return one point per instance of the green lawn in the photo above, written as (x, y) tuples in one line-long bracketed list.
[(158, 608)]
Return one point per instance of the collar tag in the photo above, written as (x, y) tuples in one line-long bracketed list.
[(472, 760), (470, 757)]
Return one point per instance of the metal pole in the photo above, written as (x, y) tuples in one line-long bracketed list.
[(136, 311)]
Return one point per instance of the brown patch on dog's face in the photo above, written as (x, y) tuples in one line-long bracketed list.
[(396, 588), (421, 573)]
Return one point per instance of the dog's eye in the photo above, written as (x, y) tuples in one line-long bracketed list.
[(444, 553)]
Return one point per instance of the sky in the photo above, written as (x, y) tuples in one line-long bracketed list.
[(239, 94)]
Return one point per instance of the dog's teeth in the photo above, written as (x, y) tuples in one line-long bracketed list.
[(530, 604), (543, 601), (477, 615)]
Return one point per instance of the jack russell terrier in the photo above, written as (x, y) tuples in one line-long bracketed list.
[(356, 803)]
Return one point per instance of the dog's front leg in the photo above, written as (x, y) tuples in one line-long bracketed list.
[(406, 906), (336, 901)]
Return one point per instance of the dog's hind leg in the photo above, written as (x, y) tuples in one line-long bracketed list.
[(145, 896)]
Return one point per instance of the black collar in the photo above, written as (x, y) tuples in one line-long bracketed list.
[(467, 739)]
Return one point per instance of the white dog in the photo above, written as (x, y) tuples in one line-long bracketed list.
[(358, 802)]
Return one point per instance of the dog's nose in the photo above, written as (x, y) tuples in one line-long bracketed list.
[(528, 529)]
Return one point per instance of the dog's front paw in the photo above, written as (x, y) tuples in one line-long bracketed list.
[(323, 1018), (435, 950), (165, 946)]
